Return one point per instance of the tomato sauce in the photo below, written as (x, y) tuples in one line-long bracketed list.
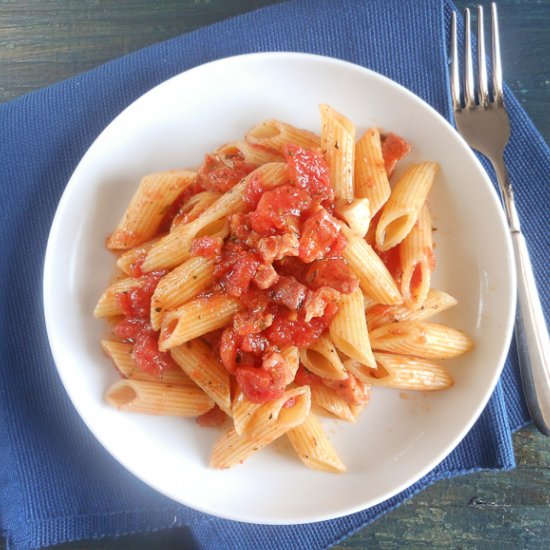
[(214, 175), (135, 326), (282, 259), (394, 148), (214, 417), (283, 253)]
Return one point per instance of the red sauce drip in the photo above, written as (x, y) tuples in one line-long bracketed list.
[(212, 418), (392, 261), (394, 148)]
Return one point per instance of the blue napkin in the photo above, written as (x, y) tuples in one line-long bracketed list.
[(57, 483)]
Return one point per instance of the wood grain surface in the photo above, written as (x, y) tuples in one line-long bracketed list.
[(44, 41)]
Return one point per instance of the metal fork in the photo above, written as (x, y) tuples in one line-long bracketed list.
[(482, 121)]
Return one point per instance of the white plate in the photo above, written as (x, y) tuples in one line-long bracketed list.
[(401, 436)]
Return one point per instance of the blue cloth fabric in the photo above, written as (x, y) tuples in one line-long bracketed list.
[(57, 483)]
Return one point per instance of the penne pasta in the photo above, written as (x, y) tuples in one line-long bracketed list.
[(313, 446), (179, 286), (242, 410), (417, 260), (195, 318), (323, 360), (371, 179), (403, 207), (410, 373), (420, 339), (158, 398), (436, 301), (374, 278), (348, 329), (273, 135), (326, 400), (271, 421), (131, 260), (147, 208), (246, 152), (173, 249), (338, 147), (194, 207), (122, 357), (108, 305), (197, 361)]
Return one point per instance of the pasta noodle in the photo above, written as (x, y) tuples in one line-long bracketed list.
[(179, 286), (255, 155), (147, 208), (436, 301), (338, 145), (421, 339), (326, 400), (403, 207), (322, 359), (410, 373), (273, 135), (174, 248), (121, 354), (371, 180), (374, 278), (313, 446), (197, 361), (270, 422), (108, 305), (348, 329), (158, 398), (195, 318), (417, 264)]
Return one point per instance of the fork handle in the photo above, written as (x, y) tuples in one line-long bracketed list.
[(531, 331), (532, 339)]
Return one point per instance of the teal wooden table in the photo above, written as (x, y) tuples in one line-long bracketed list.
[(43, 41)]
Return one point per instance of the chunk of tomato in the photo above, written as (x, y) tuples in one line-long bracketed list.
[(279, 209), (238, 278), (213, 175), (257, 384), (305, 377), (289, 328), (128, 328), (333, 272), (231, 354), (136, 302), (394, 148), (309, 170), (147, 355), (319, 233)]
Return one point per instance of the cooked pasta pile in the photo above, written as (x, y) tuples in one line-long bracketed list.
[(278, 282)]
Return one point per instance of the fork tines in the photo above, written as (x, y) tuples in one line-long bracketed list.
[(476, 94)]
